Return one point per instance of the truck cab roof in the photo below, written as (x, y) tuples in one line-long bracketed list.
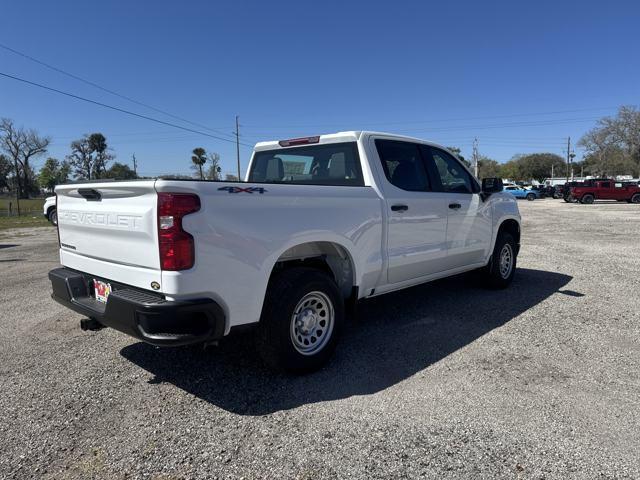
[(346, 136)]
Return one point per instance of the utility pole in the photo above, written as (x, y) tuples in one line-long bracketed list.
[(568, 156), (237, 132), (135, 164), (552, 165), (18, 187), (475, 157)]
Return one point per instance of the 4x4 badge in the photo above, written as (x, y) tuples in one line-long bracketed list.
[(243, 190)]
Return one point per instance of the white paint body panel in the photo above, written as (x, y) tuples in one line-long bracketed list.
[(48, 203), (239, 237)]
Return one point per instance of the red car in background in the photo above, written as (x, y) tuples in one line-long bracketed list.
[(605, 190)]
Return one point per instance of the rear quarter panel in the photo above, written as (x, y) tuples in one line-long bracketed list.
[(240, 236)]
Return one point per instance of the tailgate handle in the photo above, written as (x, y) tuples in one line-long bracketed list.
[(90, 194)]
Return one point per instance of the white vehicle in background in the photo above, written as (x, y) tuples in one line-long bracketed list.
[(49, 210), (319, 223)]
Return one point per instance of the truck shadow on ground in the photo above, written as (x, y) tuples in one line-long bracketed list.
[(394, 337)]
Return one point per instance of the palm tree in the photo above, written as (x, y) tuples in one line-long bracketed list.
[(199, 158)]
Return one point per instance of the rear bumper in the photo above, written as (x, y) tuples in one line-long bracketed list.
[(143, 315)]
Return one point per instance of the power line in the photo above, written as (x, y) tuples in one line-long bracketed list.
[(104, 89), (530, 123), (117, 109), (487, 117)]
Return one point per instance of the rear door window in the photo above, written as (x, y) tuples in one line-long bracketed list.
[(328, 164), (403, 165)]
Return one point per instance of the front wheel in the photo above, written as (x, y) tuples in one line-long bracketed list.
[(587, 199), (635, 198), (531, 197), (502, 266), (301, 320)]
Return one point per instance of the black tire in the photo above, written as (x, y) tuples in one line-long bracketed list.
[(53, 216), (531, 197), (278, 326), (493, 274), (587, 199), (635, 198)]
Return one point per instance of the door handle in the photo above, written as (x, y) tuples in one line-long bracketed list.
[(399, 208), (455, 206)]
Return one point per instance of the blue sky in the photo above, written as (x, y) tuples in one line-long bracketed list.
[(519, 76)]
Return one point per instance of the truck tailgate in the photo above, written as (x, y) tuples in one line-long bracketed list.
[(110, 229)]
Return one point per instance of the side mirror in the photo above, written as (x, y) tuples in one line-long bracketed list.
[(492, 185)]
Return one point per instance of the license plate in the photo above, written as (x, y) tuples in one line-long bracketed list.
[(101, 290)]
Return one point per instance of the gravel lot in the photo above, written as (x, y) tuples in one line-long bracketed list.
[(446, 380)]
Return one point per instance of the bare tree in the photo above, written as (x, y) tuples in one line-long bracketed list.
[(214, 169), (613, 146), (80, 158), (21, 146), (89, 156)]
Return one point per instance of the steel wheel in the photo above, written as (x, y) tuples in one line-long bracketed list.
[(312, 323), (506, 261)]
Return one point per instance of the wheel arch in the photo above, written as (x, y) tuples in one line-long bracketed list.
[(331, 257), (511, 226)]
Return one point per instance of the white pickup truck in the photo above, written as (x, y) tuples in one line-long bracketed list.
[(318, 224)]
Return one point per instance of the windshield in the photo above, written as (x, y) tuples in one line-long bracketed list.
[(328, 164)]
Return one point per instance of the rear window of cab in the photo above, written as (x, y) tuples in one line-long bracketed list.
[(321, 164)]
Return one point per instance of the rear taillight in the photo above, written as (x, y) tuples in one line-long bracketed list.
[(177, 250)]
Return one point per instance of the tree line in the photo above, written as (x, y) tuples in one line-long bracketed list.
[(521, 167), (90, 158), (611, 148)]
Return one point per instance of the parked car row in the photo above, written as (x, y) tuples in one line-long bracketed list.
[(585, 192), (521, 192), (588, 193)]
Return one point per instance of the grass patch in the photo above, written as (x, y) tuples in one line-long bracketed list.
[(30, 206), (24, 221)]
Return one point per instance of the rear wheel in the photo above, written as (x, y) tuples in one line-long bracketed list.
[(587, 199), (635, 198), (301, 320), (502, 266), (531, 197)]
